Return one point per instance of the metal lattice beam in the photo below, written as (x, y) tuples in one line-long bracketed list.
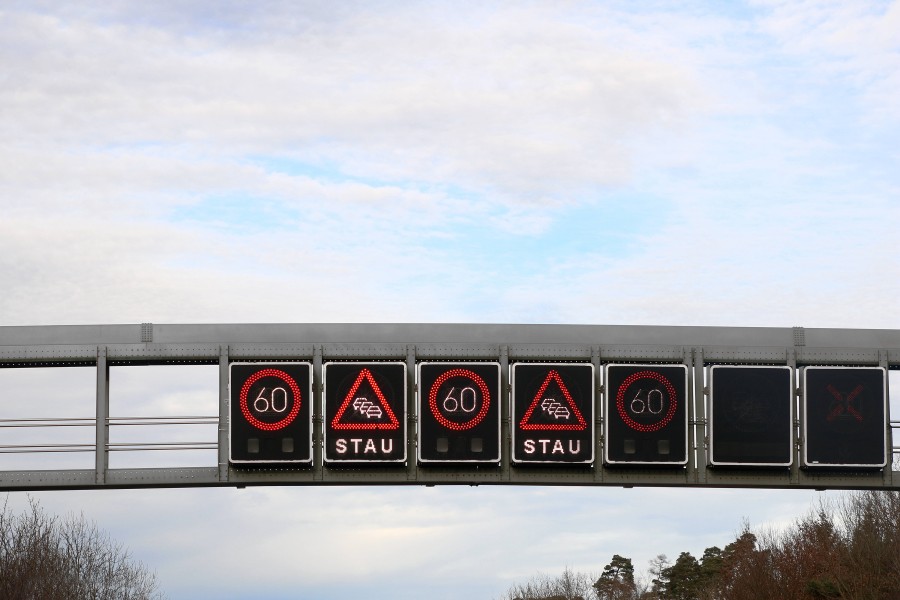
[(106, 346)]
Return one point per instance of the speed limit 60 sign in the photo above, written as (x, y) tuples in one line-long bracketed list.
[(646, 414), (270, 412), (459, 412)]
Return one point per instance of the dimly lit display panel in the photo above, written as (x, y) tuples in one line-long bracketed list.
[(750, 420), (844, 417)]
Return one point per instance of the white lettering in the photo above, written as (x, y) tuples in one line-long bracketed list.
[(552, 447), (639, 405), (453, 403), (263, 404), (284, 399), (363, 446)]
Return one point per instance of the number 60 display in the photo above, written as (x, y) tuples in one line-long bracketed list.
[(646, 414), (459, 412)]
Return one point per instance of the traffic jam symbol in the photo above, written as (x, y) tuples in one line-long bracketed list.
[(459, 416), (362, 401), (646, 419), (550, 404), (556, 406), (844, 417), (365, 414), (270, 420)]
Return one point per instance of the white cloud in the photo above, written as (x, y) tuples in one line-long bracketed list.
[(849, 46), (826, 264), (512, 104)]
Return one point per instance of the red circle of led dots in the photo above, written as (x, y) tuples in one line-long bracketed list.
[(620, 401), (485, 399), (278, 424)]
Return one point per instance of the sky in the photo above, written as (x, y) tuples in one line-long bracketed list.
[(665, 163)]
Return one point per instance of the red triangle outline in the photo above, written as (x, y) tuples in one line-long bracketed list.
[(526, 426), (367, 375)]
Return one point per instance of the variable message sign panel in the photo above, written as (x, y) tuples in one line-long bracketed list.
[(844, 417), (750, 415), (646, 415), (365, 412), (270, 412), (553, 413), (459, 412)]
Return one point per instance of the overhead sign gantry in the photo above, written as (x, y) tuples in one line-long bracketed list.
[(497, 404)]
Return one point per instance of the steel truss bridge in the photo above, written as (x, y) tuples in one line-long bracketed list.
[(104, 347)]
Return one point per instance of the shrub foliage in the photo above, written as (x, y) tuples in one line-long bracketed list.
[(43, 557), (848, 550)]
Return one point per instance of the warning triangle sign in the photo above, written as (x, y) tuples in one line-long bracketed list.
[(365, 407), (553, 408)]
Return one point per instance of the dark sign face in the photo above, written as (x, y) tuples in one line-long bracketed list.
[(751, 420), (845, 420), (365, 412), (646, 414), (270, 416), (553, 413), (459, 412)]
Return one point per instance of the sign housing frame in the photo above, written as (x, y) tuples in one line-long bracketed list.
[(610, 395), (422, 405), (308, 411), (588, 414), (400, 415), (886, 452), (792, 402)]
